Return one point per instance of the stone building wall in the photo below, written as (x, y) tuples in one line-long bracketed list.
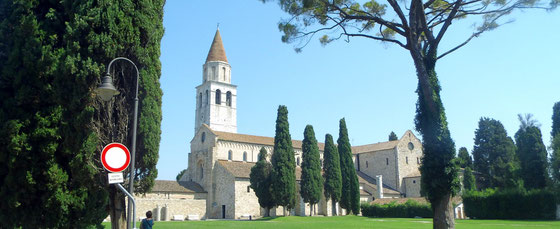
[(408, 159), (411, 187), (165, 205), (381, 162), (246, 202), (223, 194)]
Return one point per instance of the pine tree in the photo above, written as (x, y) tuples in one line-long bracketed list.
[(494, 155), (333, 178), (465, 160), (311, 179), (555, 135), (283, 178), (532, 154), (469, 182), (52, 54), (393, 136), (260, 181), (350, 198)]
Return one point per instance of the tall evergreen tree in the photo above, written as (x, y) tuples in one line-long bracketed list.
[(469, 182), (532, 153), (555, 135), (393, 136), (283, 177), (260, 181), (311, 179), (333, 178), (350, 198), (494, 155), (465, 160), (52, 54)]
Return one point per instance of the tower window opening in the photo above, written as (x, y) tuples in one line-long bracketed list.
[(228, 98), (229, 155), (200, 100), (214, 73), (218, 97), (387, 161), (207, 99), (245, 156), (224, 73)]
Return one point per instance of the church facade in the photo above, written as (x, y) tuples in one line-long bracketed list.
[(216, 183)]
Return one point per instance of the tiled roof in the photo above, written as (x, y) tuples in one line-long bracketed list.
[(365, 179), (174, 186), (374, 147), (398, 200), (415, 174), (217, 51), (241, 169), (261, 140)]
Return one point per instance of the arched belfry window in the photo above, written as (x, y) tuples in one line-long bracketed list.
[(229, 155), (244, 156), (224, 73), (200, 99), (228, 98), (214, 73), (218, 96), (207, 99)]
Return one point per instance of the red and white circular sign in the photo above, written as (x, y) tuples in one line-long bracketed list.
[(115, 157)]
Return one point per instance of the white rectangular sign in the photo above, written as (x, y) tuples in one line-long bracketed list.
[(115, 178)]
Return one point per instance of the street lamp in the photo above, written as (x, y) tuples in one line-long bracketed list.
[(106, 90)]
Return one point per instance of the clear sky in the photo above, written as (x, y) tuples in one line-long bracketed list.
[(512, 70)]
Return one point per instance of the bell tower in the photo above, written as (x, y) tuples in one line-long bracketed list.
[(216, 97)]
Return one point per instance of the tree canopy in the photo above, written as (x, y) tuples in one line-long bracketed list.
[(465, 160), (555, 134), (260, 181), (393, 136), (531, 153), (333, 177), (52, 55), (311, 179), (283, 177), (494, 155), (350, 198)]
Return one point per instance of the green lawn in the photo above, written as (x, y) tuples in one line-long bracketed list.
[(350, 222)]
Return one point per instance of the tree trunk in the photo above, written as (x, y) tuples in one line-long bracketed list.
[(443, 213), (334, 210), (266, 212), (117, 209)]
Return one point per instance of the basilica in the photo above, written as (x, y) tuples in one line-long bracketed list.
[(216, 184)]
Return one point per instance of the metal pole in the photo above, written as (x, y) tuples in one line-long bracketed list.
[(133, 159), (133, 225)]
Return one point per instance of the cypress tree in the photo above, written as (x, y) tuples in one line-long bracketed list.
[(494, 155), (52, 54), (350, 198), (393, 136), (333, 178), (532, 154), (283, 178), (465, 160), (260, 181), (469, 182), (311, 179), (555, 135)]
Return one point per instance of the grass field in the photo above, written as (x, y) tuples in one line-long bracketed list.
[(350, 222)]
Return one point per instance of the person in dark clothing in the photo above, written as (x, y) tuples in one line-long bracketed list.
[(148, 222)]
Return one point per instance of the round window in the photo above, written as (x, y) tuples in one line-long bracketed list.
[(410, 146), (203, 137)]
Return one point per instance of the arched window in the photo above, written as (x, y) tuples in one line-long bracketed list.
[(366, 164), (218, 96), (298, 161), (228, 98), (214, 73), (387, 161), (321, 162), (229, 155), (200, 99), (407, 160), (244, 156), (207, 99), (224, 73)]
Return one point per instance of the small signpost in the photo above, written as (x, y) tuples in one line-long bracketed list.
[(115, 158)]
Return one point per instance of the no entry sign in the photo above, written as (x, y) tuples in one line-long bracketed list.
[(115, 157)]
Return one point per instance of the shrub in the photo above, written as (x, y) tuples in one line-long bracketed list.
[(409, 209), (510, 204)]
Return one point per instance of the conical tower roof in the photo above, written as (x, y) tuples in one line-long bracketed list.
[(217, 51)]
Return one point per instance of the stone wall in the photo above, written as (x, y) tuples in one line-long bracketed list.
[(408, 159), (246, 202), (411, 186), (165, 205), (222, 194), (380, 163)]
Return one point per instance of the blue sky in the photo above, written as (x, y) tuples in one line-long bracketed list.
[(512, 70)]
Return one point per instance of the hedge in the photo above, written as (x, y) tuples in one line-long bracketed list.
[(409, 209), (510, 204)]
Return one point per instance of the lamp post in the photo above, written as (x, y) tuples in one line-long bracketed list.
[(106, 90)]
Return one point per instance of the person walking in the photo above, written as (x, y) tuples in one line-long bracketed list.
[(148, 222)]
